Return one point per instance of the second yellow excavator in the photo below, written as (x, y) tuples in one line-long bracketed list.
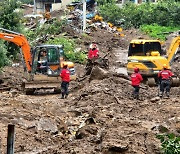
[(147, 56)]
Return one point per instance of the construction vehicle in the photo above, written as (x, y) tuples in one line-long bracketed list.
[(147, 56), (38, 77)]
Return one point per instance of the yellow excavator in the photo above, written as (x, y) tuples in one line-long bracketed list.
[(39, 74), (147, 56)]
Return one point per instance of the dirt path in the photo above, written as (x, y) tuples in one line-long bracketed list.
[(86, 122)]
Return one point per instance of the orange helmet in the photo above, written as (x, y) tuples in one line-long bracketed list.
[(136, 69), (165, 66)]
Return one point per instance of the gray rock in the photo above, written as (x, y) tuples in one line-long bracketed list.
[(48, 125)]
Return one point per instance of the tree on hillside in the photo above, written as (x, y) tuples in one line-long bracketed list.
[(3, 52), (10, 18), (27, 1)]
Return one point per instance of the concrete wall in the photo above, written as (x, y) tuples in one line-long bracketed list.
[(40, 6), (56, 6), (65, 2)]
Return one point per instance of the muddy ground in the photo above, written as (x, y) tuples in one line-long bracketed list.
[(97, 117)]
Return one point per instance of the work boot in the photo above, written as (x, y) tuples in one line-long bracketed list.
[(161, 94), (136, 96), (167, 94), (66, 95), (62, 97)]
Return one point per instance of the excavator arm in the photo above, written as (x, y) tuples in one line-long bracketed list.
[(21, 41), (173, 49)]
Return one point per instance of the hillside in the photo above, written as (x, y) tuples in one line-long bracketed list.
[(98, 117)]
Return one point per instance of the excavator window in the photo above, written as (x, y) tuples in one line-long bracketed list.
[(151, 47), (53, 56), (144, 49), (135, 49), (44, 58)]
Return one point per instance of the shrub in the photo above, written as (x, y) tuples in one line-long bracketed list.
[(4, 60), (10, 18), (53, 28), (158, 32), (164, 13), (69, 46), (170, 144)]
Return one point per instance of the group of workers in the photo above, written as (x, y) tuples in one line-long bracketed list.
[(164, 77), (65, 73)]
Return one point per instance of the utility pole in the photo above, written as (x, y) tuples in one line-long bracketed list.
[(84, 15), (34, 7), (10, 139)]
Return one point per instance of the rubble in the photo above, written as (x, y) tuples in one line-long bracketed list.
[(99, 116)]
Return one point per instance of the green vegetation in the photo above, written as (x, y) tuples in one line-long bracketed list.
[(53, 28), (27, 1), (56, 28), (163, 13), (170, 144), (69, 49), (155, 19), (4, 60), (158, 32), (10, 18)]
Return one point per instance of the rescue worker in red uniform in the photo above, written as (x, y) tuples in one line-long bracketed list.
[(93, 52), (136, 79), (165, 83), (65, 76)]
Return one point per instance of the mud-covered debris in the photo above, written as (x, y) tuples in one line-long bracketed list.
[(155, 99), (163, 129), (116, 147), (86, 131), (47, 125), (177, 126), (62, 127), (98, 73)]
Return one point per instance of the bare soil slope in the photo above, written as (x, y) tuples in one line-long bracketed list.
[(98, 117)]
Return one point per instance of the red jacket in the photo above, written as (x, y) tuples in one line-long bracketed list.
[(65, 75), (136, 79), (93, 54), (165, 74)]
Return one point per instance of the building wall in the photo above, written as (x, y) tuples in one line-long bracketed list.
[(56, 6), (40, 5), (65, 2)]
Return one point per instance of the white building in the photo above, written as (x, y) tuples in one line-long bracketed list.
[(42, 6)]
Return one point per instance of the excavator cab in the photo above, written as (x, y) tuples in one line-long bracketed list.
[(144, 47), (46, 60), (147, 56)]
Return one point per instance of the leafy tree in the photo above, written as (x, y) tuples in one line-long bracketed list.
[(164, 13), (69, 46), (27, 1), (3, 52), (104, 2), (10, 18)]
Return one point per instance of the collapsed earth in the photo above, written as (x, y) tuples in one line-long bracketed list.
[(100, 114)]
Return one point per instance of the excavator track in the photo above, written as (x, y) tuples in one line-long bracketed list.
[(30, 87)]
